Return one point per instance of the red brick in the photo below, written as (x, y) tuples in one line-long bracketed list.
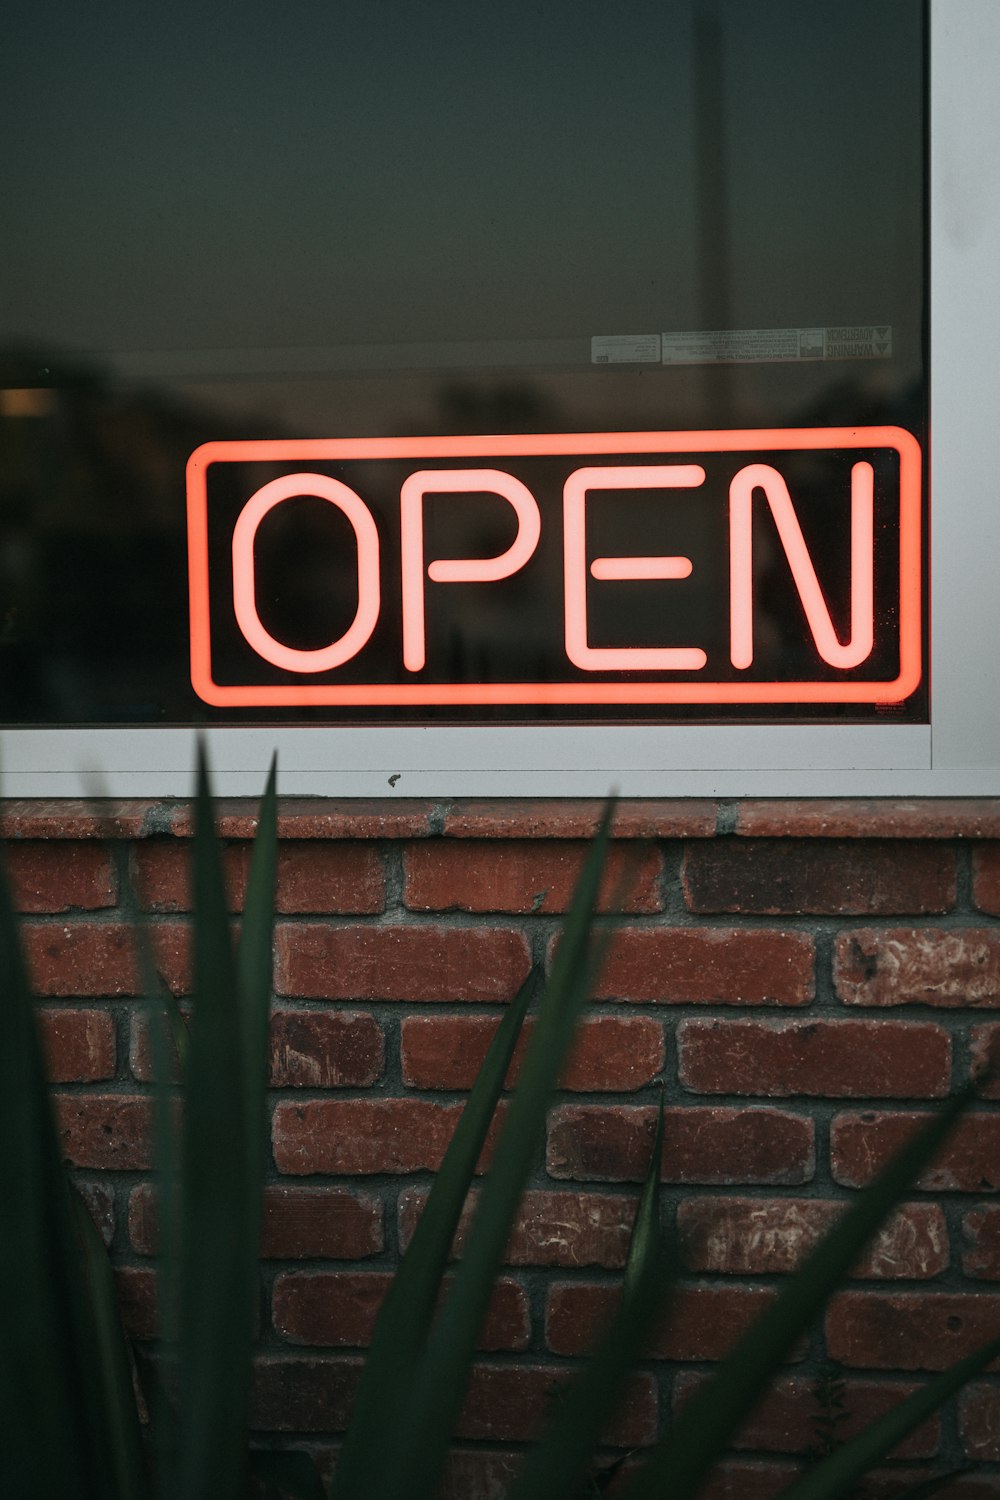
[(478, 1474), (297, 1223), (311, 877), (524, 876), (79, 1045), (338, 1308), (873, 817), (748, 1481), (578, 818), (719, 1146), (718, 965), (318, 818), (303, 1394), (771, 877), (768, 1481), (308, 1049), (171, 944), (65, 818), (78, 960), (969, 1161), (610, 1052), (142, 1219), (399, 963), (489, 1473), (106, 1131), (137, 1300), (511, 1403), (900, 1482), (760, 1236), (702, 1322), (324, 1049), (160, 877), (59, 877), (330, 1223), (362, 1135), (984, 1058), (907, 966), (971, 1487), (785, 1419), (100, 1201), (755, 1480), (986, 878), (551, 1229), (981, 1231), (909, 1330), (979, 1422), (99, 959), (140, 1052), (330, 877), (833, 1059)]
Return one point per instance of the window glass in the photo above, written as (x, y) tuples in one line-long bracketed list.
[(246, 224)]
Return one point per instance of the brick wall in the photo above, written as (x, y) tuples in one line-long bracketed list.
[(805, 976)]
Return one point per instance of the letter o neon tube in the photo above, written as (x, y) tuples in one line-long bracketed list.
[(244, 582)]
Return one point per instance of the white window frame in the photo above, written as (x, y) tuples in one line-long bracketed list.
[(958, 754)]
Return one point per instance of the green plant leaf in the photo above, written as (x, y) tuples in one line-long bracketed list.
[(218, 1267), (647, 1231), (837, 1474), (554, 1466), (417, 1447), (48, 1445), (405, 1315), (166, 1154), (109, 1383), (177, 1026), (682, 1458), (154, 1370), (169, 1040), (255, 963)]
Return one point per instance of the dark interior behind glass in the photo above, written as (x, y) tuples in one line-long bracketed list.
[(358, 219)]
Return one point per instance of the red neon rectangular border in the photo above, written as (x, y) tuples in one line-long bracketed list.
[(548, 445)]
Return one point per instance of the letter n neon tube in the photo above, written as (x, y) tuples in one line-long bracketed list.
[(761, 476)]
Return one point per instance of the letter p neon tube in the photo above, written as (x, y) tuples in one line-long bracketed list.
[(456, 569)]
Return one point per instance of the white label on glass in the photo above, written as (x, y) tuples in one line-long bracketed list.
[(738, 346), (625, 349)]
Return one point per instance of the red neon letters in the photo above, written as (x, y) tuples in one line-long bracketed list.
[(658, 461), (244, 573), (580, 653), (741, 492), (455, 570)]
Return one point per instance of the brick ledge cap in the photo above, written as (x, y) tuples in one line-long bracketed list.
[(520, 818), (869, 817)]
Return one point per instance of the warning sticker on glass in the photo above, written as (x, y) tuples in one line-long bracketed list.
[(737, 346), (625, 349)]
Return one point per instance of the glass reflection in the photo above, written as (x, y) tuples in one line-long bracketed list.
[(356, 220)]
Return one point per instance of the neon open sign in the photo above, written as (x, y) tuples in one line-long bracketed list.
[(775, 566)]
